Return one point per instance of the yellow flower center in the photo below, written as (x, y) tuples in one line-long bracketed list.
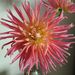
[(37, 33)]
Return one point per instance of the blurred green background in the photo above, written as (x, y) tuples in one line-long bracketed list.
[(12, 69)]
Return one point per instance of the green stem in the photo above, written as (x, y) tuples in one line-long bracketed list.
[(34, 71)]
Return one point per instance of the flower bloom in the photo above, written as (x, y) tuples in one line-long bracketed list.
[(59, 5), (40, 40)]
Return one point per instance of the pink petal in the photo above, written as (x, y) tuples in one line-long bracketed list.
[(19, 13), (54, 3), (71, 8), (27, 10)]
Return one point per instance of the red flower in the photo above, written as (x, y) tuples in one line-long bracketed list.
[(59, 5), (40, 40)]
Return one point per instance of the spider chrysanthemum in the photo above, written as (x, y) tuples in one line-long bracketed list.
[(40, 40), (61, 5)]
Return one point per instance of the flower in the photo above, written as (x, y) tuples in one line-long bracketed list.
[(40, 40), (59, 5)]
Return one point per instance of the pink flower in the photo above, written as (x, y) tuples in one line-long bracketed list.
[(59, 5), (40, 40)]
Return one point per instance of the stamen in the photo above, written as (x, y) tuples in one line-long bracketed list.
[(38, 35)]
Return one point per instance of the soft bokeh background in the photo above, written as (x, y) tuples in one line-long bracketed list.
[(12, 69)]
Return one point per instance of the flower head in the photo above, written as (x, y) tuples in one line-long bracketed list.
[(59, 5), (40, 40)]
